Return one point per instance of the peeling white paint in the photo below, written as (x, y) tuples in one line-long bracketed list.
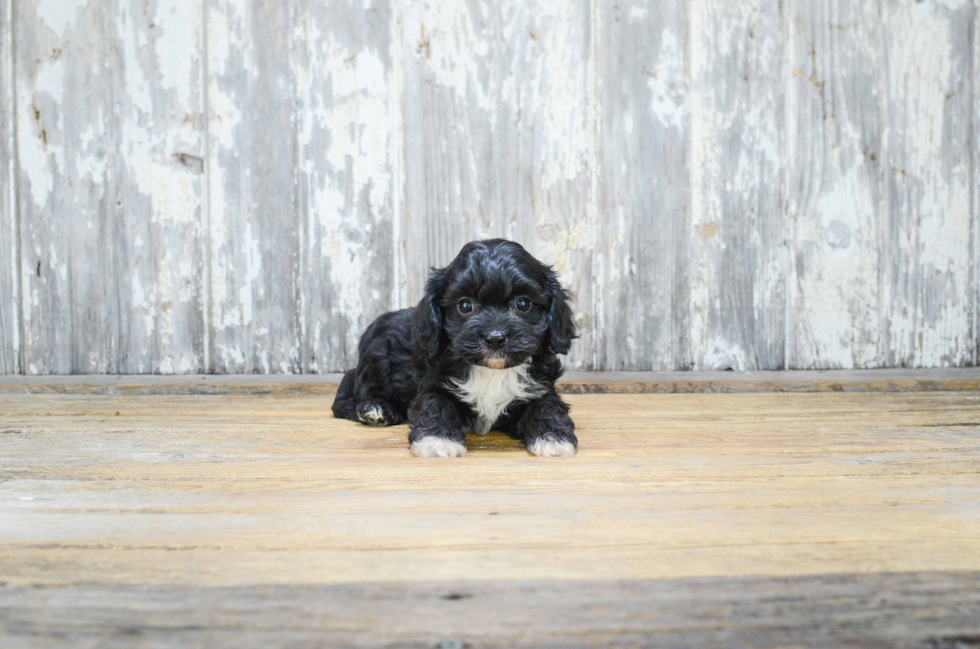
[(451, 40), (736, 182), (41, 155), (840, 283), (704, 209), (932, 301), (723, 355), (350, 182), (637, 13), (96, 152), (177, 37), (253, 268), (59, 15), (562, 88), (514, 99), (10, 356), (668, 84)]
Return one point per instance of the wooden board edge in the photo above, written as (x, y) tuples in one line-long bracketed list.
[(900, 380)]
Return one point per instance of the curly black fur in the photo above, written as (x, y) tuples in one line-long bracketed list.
[(520, 314)]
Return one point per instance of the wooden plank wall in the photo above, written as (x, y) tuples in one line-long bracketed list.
[(242, 185), (110, 194), (301, 162), (9, 295)]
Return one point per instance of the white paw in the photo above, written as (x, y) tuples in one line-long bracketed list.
[(372, 416), (544, 447), (437, 447)]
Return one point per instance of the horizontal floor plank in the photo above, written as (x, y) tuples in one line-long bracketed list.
[(913, 610), (269, 489), (758, 519)]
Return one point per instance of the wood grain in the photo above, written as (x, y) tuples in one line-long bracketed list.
[(9, 288), (242, 490), (737, 261), (301, 182), (109, 146), (497, 139), (255, 225), (914, 610), (347, 157), (928, 230), (820, 520), (836, 188), (975, 202), (641, 285)]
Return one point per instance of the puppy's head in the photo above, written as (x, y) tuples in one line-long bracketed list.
[(495, 305)]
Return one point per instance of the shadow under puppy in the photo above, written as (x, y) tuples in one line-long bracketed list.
[(478, 353)]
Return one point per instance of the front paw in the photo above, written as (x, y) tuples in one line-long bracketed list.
[(555, 438), (378, 413), (552, 447), (436, 446)]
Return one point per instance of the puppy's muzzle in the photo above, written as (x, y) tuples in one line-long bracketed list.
[(495, 340), (495, 362), (495, 358)]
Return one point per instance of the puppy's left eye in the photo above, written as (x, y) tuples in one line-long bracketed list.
[(522, 304)]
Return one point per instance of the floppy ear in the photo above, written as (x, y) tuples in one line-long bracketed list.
[(561, 322), (427, 321)]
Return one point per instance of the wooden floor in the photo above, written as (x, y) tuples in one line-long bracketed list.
[(687, 520)]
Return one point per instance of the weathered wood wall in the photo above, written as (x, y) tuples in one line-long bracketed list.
[(242, 185)]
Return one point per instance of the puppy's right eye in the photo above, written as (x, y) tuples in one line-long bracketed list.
[(465, 306)]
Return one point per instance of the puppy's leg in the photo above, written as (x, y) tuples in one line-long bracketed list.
[(546, 428), (344, 405), (366, 409), (437, 429), (378, 412), (369, 390)]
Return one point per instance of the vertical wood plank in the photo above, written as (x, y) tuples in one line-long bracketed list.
[(66, 206), (737, 259), (9, 293), (835, 187), (498, 138), (255, 223), (109, 150), (975, 172), (301, 183), (158, 178), (644, 193), (347, 148), (929, 300)]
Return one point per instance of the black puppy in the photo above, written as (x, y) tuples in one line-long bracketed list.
[(477, 353)]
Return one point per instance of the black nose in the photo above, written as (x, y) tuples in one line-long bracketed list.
[(495, 339)]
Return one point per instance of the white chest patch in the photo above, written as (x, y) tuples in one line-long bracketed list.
[(489, 392)]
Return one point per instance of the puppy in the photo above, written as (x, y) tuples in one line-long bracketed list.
[(478, 353)]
